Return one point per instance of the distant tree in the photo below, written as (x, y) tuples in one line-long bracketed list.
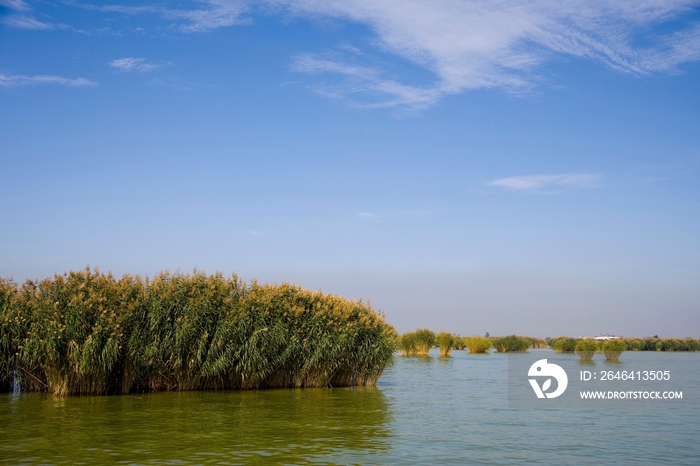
[(487, 335)]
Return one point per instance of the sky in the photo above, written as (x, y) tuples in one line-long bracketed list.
[(466, 166)]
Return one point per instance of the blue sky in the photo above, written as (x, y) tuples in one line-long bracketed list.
[(466, 166)]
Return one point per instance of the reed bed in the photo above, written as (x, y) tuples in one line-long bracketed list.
[(88, 333), (417, 343), (446, 341), (511, 343), (631, 344), (613, 349), (585, 349), (477, 344), (564, 344), (536, 342), (10, 331), (661, 344)]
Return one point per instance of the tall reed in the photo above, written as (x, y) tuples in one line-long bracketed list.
[(459, 343), (536, 342), (635, 344), (79, 324), (585, 349), (613, 349), (12, 327), (88, 333), (511, 343), (565, 344), (445, 340), (417, 343), (477, 344)]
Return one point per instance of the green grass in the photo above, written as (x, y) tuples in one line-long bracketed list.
[(88, 333)]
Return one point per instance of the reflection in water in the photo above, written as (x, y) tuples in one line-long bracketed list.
[(339, 425)]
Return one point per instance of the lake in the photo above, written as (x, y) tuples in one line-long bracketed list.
[(423, 410)]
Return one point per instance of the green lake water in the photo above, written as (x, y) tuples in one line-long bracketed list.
[(423, 411)]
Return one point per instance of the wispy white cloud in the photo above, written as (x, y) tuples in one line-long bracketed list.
[(124, 9), (23, 19), (171, 82), (364, 79), (680, 47), (23, 80), (367, 216), (131, 64), (479, 44), (206, 15), (350, 48), (464, 44), (17, 5), (530, 182), (24, 22), (211, 15)]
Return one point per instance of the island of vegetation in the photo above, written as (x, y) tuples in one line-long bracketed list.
[(420, 342), (87, 332)]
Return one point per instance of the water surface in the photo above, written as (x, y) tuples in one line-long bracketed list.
[(424, 410)]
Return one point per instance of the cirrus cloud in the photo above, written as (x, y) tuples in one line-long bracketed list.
[(463, 44), (17, 5), (24, 22), (532, 182), (23, 80), (473, 44), (131, 64)]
